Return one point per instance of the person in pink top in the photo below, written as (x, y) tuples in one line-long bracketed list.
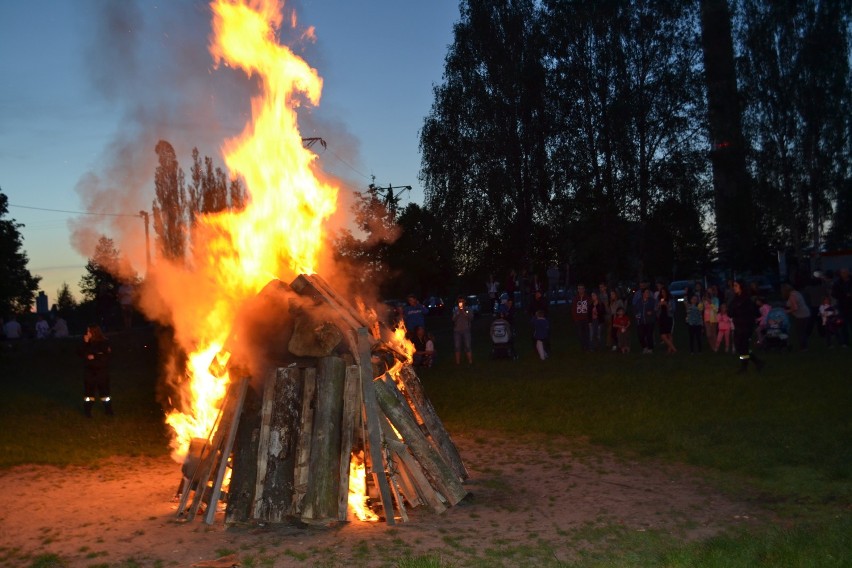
[(710, 307), (725, 325)]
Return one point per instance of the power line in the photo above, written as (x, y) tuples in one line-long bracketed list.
[(76, 212), (347, 164)]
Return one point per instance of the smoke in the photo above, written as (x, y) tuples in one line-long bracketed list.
[(152, 64)]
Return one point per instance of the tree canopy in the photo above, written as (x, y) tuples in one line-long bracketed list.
[(607, 135), (17, 285)]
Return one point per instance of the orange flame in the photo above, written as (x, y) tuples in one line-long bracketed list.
[(358, 489), (280, 233)]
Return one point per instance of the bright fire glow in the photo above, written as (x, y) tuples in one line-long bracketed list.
[(358, 489), (280, 233)]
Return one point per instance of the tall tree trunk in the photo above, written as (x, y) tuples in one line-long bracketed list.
[(734, 210)]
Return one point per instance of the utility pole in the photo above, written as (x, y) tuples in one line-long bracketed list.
[(144, 215), (389, 199)]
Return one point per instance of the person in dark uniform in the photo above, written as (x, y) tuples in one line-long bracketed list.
[(744, 313), (96, 354)]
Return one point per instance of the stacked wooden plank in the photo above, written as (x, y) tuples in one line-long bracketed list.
[(301, 426)]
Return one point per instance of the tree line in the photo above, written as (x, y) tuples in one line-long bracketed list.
[(641, 138)]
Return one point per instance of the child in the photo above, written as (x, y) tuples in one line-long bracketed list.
[(541, 334), (621, 323), (725, 325), (830, 319), (695, 324)]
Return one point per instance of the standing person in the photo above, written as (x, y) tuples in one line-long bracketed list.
[(541, 334), (580, 315), (538, 302), (744, 313), (695, 324), (511, 284), (42, 328), (492, 287), (665, 318), (552, 282), (829, 316), (726, 324), (60, 327), (646, 318), (800, 313), (710, 308), (614, 304), (462, 320), (842, 293), (606, 327), (96, 353), (413, 315), (12, 329), (621, 323), (597, 321)]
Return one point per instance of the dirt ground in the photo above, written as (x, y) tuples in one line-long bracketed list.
[(527, 496)]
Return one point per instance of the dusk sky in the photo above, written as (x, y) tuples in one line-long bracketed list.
[(89, 87)]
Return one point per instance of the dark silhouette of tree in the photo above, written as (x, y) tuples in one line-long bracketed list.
[(735, 213), (422, 256), (483, 143), (65, 302), (798, 88), (102, 270), (17, 285), (367, 249), (170, 222), (625, 85)]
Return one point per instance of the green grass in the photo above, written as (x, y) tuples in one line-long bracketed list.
[(780, 439), (41, 418)]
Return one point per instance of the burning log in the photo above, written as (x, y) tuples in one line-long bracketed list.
[(307, 423)]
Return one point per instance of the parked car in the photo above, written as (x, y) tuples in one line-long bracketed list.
[(678, 289), (435, 305)]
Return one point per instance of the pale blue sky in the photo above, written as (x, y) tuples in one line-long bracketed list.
[(89, 86)]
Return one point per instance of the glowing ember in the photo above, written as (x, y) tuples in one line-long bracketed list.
[(279, 233)]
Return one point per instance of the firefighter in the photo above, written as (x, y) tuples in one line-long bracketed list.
[(96, 354)]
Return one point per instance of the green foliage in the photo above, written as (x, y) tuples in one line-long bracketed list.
[(102, 269), (169, 208), (17, 285), (560, 124), (797, 82)]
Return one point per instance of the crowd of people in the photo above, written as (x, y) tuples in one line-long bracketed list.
[(734, 317)]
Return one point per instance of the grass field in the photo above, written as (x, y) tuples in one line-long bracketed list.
[(782, 438)]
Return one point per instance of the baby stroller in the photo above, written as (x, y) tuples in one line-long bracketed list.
[(502, 341), (777, 330)]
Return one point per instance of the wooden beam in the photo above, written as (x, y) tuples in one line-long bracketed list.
[(374, 427)]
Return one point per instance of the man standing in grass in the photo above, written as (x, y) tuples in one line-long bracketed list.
[(744, 315)]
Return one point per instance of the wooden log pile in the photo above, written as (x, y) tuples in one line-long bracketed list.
[(294, 430)]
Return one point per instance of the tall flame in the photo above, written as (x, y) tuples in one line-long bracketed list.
[(280, 232)]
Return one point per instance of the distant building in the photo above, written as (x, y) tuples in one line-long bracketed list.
[(41, 303)]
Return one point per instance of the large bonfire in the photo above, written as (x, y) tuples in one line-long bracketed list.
[(279, 234)]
